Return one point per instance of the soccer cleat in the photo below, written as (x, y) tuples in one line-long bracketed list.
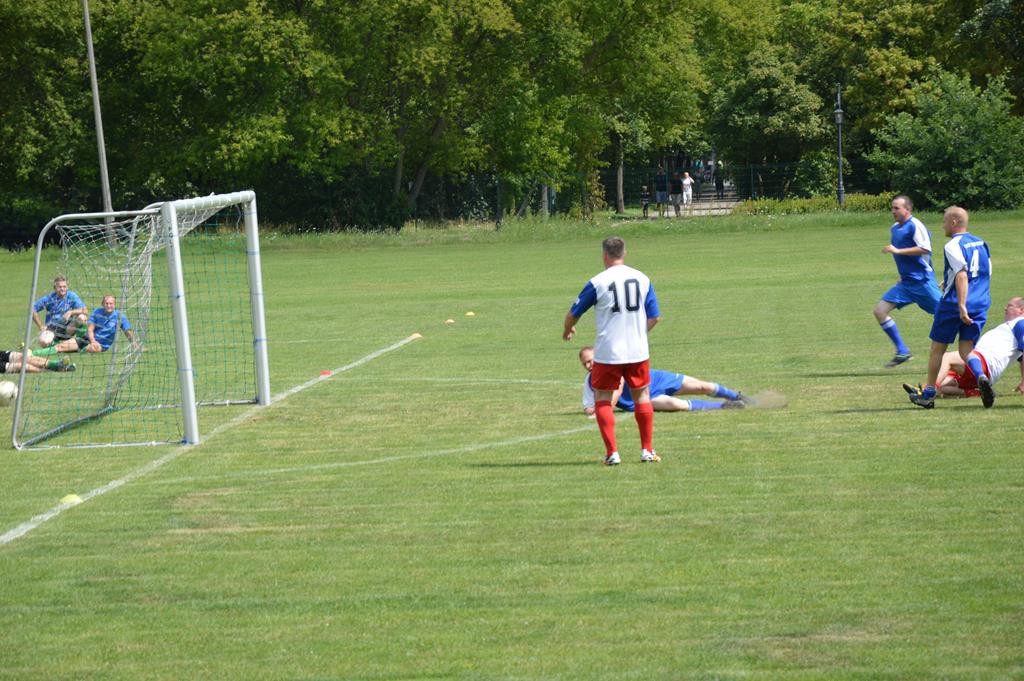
[(612, 459), (68, 366), (899, 359), (988, 396), (913, 389), (920, 400), (741, 402), (647, 456)]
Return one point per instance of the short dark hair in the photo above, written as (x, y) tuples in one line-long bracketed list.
[(907, 201), (614, 247)]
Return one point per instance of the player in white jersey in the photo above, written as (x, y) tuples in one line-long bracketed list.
[(626, 309), (997, 349)]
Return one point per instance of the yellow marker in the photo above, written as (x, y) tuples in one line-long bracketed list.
[(449, 322), (71, 500), (471, 314), (416, 336)]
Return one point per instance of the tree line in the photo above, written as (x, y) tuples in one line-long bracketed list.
[(340, 112)]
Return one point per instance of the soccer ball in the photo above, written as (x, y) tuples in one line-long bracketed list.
[(8, 392), (46, 338)]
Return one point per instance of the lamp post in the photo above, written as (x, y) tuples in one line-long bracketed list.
[(104, 179), (839, 144)]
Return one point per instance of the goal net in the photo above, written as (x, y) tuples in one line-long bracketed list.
[(186, 277)]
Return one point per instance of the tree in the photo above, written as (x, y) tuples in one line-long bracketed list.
[(959, 144)]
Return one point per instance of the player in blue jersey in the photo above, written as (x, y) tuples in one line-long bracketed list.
[(665, 386), (962, 310), (65, 313), (626, 310), (101, 331), (911, 248)]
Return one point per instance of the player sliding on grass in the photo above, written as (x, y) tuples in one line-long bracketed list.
[(626, 310), (665, 385), (911, 248), (11, 360), (101, 331), (964, 304), (994, 353)]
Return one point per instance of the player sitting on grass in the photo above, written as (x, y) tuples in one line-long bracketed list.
[(65, 313), (995, 351), (664, 386), (11, 360), (102, 331)]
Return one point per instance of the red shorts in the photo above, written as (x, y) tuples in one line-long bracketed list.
[(968, 382), (607, 376)]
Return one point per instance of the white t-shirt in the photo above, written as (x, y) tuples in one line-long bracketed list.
[(1001, 346), (624, 299), (687, 185)]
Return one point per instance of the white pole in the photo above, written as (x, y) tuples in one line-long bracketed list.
[(104, 179), (180, 314), (259, 324)]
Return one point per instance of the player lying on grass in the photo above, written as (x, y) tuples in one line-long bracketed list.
[(11, 360), (65, 312), (101, 331), (665, 385), (995, 351)]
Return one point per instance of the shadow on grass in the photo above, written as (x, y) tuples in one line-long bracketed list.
[(535, 464), (849, 374)]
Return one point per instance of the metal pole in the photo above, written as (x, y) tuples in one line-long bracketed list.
[(839, 144), (179, 312), (104, 179), (259, 324)]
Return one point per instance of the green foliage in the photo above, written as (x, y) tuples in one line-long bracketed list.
[(857, 203), (361, 113), (960, 144)]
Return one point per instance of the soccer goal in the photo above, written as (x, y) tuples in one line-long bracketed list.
[(186, 277)]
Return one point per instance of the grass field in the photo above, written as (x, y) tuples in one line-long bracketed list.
[(439, 511)]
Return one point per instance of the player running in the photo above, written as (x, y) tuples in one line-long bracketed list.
[(911, 248), (964, 304), (626, 310), (665, 385)]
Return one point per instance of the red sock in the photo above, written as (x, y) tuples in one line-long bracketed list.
[(645, 420), (606, 424)]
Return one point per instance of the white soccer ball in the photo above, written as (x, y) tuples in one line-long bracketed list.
[(8, 393), (46, 338)]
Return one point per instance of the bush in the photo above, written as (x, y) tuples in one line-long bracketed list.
[(858, 203), (961, 145)]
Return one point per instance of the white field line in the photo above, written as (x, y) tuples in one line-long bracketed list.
[(265, 472), (29, 525)]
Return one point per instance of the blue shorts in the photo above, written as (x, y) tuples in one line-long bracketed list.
[(662, 383), (660, 196), (925, 293), (947, 326)]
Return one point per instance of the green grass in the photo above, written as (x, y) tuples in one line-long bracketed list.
[(396, 522)]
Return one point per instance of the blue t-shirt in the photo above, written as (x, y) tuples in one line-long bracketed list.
[(662, 383), (56, 307), (910, 234), (966, 252), (106, 326)]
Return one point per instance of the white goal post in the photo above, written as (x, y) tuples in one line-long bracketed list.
[(187, 332)]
